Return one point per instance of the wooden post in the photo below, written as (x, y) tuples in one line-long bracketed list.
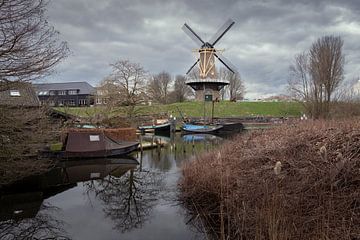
[(141, 160), (212, 112), (141, 144)]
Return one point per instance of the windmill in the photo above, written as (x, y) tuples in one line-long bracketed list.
[(207, 85)]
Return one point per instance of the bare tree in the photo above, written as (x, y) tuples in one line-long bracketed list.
[(236, 88), (317, 74), (327, 66), (128, 85), (158, 87), (181, 90), (224, 74), (109, 93), (29, 47), (301, 85), (194, 74), (128, 199)]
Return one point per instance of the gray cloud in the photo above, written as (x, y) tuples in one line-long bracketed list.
[(262, 43)]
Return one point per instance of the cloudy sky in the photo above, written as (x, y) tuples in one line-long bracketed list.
[(262, 43)]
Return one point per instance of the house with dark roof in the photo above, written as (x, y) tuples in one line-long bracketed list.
[(72, 94), (18, 94)]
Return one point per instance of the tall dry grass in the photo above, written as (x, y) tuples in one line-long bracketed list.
[(292, 182)]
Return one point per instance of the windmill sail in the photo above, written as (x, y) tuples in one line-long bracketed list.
[(221, 32), (192, 66), (226, 62), (186, 28)]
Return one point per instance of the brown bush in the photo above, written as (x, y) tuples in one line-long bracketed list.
[(23, 132), (345, 109), (291, 182)]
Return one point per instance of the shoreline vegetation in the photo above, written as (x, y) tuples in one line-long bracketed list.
[(24, 131), (290, 182)]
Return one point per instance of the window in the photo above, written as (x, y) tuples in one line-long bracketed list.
[(94, 175), (70, 102), (52, 93), (94, 138), (82, 102), (100, 101), (72, 92), (42, 93), (62, 92), (14, 93)]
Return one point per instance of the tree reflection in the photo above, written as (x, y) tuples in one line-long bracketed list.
[(128, 199), (42, 226)]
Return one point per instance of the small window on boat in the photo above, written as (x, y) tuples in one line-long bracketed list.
[(94, 175), (94, 138), (14, 93)]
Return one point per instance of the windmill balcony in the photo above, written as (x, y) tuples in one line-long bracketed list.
[(207, 80)]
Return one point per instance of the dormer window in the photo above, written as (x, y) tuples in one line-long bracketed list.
[(62, 92), (42, 93), (73, 92), (15, 93)]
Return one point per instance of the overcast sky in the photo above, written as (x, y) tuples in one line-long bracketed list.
[(262, 43)]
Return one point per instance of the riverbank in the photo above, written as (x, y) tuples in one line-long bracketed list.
[(24, 131), (290, 182)]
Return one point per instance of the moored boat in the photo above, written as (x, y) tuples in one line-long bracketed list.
[(164, 127), (192, 128), (91, 144)]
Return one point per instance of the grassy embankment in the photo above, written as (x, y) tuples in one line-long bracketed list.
[(289, 182), (196, 109)]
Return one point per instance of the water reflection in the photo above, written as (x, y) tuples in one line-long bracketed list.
[(129, 199), (132, 198), (41, 226), (189, 138), (23, 215)]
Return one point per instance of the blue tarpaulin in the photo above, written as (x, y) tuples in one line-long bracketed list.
[(195, 127)]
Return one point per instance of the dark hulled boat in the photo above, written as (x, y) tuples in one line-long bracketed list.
[(158, 128), (91, 144)]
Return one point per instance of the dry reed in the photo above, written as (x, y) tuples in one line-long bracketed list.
[(292, 182)]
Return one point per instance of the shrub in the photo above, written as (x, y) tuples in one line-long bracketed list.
[(290, 182)]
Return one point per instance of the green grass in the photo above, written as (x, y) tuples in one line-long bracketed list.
[(196, 109)]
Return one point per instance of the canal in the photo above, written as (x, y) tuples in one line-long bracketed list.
[(127, 198)]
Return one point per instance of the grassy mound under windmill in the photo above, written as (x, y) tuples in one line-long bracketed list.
[(290, 182), (196, 109)]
